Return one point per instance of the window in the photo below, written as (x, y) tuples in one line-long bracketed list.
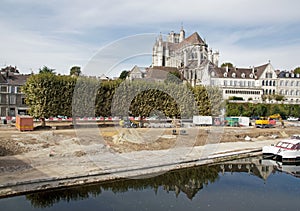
[(263, 83), (269, 75), (292, 83), (225, 83), (18, 89), (12, 89), (274, 83), (281, 83), (23, 101), (3, 88), (233, 75), (251, 75), (286, 83), (243, 75), (213, 74), (225, 75), (12, 99)]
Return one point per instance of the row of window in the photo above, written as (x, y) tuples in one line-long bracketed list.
[(12, 100), (268, 83), (10, 89), (239, 83), (290, 92), (269, 92), (289, 83), (244, 92), (233, 75)]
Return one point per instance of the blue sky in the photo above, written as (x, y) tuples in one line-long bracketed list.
[(62, 33)]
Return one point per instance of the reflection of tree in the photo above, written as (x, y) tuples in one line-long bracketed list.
[(188, 181)]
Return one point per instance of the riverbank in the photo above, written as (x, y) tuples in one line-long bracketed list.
[(61, 158)]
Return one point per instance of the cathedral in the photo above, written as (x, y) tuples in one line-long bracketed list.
[(191, 55)]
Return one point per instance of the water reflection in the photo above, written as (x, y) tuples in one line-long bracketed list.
[(185, 181)]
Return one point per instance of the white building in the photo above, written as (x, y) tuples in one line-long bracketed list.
[(288, 85)]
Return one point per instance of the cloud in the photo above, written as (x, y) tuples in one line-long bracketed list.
[(29, 51), (61, 33)]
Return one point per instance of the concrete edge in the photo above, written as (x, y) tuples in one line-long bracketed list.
[(30, 186)]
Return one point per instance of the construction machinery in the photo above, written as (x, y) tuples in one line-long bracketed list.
[(270, 121)]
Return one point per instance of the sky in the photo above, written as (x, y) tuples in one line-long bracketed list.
[(115, 35)]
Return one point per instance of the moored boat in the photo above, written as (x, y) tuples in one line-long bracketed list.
[(286, 151)]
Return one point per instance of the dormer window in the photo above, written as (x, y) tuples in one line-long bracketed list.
[(213, 74), (233, 75), (225, 75), (287, 75), (251, 75), (243, 75)]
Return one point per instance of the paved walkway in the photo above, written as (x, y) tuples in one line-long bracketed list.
[(34, 171)]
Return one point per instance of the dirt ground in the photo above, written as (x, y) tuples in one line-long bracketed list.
[(14, 142)]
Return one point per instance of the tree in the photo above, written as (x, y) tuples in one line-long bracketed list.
[(75, 70), (297, 70), (46, 69), (227, 64), (49, 95), (124, 74)]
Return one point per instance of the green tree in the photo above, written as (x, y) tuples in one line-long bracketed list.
[(227, 64), (49, 95), (297, 70), (124, 74), (46, 69), (75, 70)]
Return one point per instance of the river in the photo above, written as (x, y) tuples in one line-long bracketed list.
[(245, 184)]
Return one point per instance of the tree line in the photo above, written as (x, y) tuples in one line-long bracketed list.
[(262, 109), (51, 95)]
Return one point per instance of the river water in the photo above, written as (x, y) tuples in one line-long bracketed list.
[(246, 184)]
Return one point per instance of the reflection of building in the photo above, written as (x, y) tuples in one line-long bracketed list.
[(250, 165), (12, 100)]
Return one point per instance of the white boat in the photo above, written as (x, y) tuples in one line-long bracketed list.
[(286, 151)]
